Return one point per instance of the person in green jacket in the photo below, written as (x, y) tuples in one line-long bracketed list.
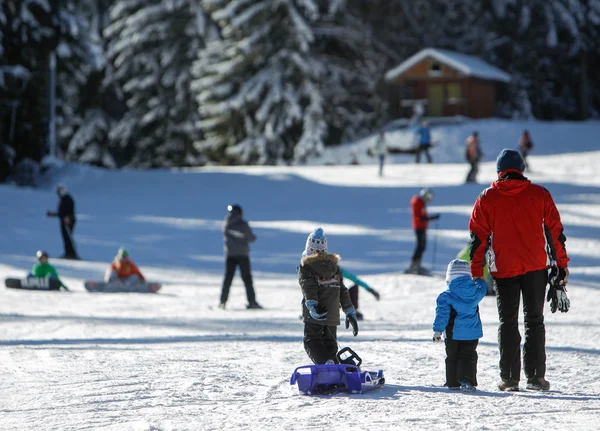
[(465, 254), (43, 269)]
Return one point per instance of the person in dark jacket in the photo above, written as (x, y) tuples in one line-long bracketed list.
[(518, 225), (323, 292), (457, 314), (420, 223), (473, 155), (66, 217), (237, 236), (525, 146)]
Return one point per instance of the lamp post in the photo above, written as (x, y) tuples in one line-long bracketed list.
[(52, 106)]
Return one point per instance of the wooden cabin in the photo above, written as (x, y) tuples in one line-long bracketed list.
[(440, 83)]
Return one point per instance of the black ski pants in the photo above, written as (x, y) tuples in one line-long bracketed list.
[(472, 175), (320, 342), (461, 362), (231, 263), (532, 286), (66, 229), (421, 243), (423, 149)]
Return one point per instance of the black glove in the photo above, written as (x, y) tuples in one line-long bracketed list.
[(434, 217), (557, 292), (351, 320)]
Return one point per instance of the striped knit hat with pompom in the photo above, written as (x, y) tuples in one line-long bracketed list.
[(457, 268), (315, 243)]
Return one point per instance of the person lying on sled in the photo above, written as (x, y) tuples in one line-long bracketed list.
[(43, 269), (123, 270)]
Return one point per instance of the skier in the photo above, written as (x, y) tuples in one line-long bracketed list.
[(323, 292), (43, 269), (237, 236), (473, 155), (424, 142), (457, 314), (525, 146), (420, 223), (66, 216), (520, 224), (353, 290), (123, 270), (380, 150)]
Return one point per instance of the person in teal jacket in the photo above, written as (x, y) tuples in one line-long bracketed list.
[(457, 314), (43, 269), (353, 290)]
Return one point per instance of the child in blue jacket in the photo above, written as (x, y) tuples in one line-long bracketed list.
[(457, 313)]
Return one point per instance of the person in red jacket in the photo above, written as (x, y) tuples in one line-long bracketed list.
[(420, 223), (518, 225)]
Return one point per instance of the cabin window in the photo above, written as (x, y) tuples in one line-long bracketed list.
[(435, 69)]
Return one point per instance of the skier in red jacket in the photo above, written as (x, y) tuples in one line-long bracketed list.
[(420, 223), (517, 223)]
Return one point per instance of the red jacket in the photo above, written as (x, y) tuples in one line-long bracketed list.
[(420, 218), (522, 225)]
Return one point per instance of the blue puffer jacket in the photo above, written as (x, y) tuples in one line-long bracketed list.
[(457, 310)]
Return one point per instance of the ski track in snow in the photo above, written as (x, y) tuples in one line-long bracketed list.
[(173, 361)]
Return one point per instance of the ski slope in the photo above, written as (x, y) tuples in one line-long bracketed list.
[(174, 361)]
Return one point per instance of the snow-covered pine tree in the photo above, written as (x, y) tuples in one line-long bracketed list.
[(258, 86), (34, 29), (542, 43), (90, 143), (76, 60), (354, 64), (151, 45)]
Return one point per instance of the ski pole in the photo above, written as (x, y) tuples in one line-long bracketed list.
[(434, 245)]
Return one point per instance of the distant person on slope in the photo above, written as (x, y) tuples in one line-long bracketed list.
[(380, 150), (420, 224), (424, 142), (123, 270), (66, 217), (473, 155), (525, 146), (237, 236), (457, 314), (323, 292), (43, 269)]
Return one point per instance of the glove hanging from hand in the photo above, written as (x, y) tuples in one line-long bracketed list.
[(351, 320), (557, 292), (437, 337), (311, 306), (435, 217)]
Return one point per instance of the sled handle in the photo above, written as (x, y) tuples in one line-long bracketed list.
[(295, 373), (352, 357)]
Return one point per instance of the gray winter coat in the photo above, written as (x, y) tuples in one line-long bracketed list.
[(321, 279), (237, 236)]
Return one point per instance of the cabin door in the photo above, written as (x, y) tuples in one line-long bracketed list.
[(435, 96)]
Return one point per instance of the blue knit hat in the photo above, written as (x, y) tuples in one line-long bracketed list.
[(509, 159), (457, 268), (316, 242)]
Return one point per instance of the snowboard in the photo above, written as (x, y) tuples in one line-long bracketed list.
[(116, 287), (33, 283)]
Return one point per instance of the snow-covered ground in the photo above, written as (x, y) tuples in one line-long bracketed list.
[(173, 361)]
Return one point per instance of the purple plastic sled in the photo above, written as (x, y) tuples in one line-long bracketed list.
[(316, 379)]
